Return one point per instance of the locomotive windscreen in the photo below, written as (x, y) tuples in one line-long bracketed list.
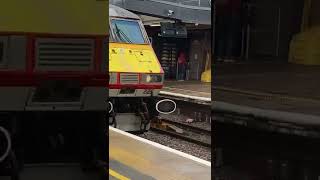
[(127, 31)]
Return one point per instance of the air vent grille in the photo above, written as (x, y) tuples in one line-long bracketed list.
[(64, 54), (126, 78)]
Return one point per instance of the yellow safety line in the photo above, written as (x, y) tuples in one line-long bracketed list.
[(117, 175), (143, 164)]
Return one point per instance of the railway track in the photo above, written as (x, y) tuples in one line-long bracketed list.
[(265, 123), (183, 131)]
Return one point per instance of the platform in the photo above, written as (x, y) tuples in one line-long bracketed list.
[(280, 87), (132, 157), (191, 91)]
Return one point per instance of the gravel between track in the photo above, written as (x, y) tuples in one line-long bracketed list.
[(178, 144), (182, 119)]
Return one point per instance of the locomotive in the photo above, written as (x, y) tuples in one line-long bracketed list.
[(135, 74), (53, 76)]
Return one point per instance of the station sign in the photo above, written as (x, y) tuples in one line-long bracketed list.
[(176, 30)]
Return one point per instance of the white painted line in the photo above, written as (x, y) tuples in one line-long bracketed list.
[(185, 96), (164, 100), (173, 88), (157, 145), (288, 117)]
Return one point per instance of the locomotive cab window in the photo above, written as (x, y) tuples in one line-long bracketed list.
[(127, 31)]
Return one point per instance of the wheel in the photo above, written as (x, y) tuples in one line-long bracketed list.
[(7, 147)]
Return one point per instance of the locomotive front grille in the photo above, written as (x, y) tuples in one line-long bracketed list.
[(64, 54), (129, 78)]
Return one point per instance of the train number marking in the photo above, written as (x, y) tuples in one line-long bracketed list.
[(147, 91)]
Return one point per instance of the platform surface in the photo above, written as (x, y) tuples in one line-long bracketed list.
[(187, 91), (132, 157), (282, 87)]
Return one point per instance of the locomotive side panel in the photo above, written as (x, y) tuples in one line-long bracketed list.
[(54, 17), (46, 44)]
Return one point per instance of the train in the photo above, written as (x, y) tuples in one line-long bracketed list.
[(135, 74), (64, 75)]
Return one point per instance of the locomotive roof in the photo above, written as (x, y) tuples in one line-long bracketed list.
[(116, 11)]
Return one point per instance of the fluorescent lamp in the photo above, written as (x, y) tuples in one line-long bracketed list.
[(155, 25)]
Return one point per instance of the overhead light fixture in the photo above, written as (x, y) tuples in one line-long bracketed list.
[(155, 25)]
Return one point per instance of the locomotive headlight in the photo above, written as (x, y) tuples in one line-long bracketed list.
[(153, 78), (112, 78), (148, 78)]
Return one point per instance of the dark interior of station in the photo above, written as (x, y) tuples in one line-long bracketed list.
[(257, 30), (266, 48), (71, 144)]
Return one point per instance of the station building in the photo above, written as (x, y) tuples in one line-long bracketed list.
[(195, 43), (174, 27)]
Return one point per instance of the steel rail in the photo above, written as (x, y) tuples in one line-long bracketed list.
[(179, 136)]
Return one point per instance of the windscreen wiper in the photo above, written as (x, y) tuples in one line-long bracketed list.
[(124, 37)]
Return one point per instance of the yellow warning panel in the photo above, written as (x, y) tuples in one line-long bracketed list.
[(133, 58), (206, 76), (305, 47), (55, 16)]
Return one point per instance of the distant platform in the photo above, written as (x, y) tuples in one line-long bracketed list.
[(273, 86), (132, 157), (55, 172), (188, 91)]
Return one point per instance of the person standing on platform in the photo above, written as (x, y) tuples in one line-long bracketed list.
[(182, 63)]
